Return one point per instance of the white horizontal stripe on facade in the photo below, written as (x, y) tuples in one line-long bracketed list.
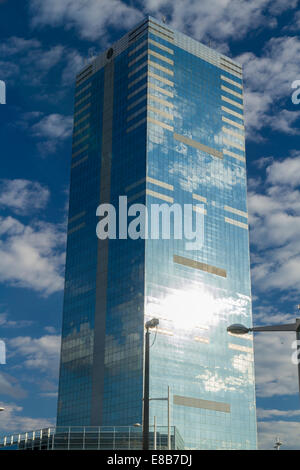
[(234, 93), (136, 59), (230, 71), (234, 134), (162, 79), (135, 184), (161, 46), (135, 92), (199, 198), (82, 109), (231, 66), (236, 211), (137, 80), (161, 57), (79, 162), (234, 103), (160, 100), (84, 98), (162, 113), (161, 35), (77, 216), (78, 142), (201, 210), (142, 44), (238, 347), (137, 69), (232, 82), (233, 123), (234, 155), (83, 90), (160, 67), (74, 229), (246, 337), (201, 339), (233, 144), (140, 111), (137, 124), (135, 103), (79, 121), (236, 223), (164, 332), (161, 90), (84, 128), (234, 113), (160, 124), (136, 196), (83, 149), (160, 183), (163, 197)]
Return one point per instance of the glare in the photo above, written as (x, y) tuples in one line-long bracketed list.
[(188, 309)]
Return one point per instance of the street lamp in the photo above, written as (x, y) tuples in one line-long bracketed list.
[(2, 409), (148, 325), (239, 329), (277, 444)]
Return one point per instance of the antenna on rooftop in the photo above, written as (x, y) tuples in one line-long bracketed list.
[(164, 19)]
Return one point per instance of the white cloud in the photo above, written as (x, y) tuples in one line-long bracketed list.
[(15, 45), (52, 130), (32, 256), (50, 329), (92, 18), (74, 63), (44, 60), (22, 196), (273, 413), (268, 79), (275, 224), (274, 371), (35, 60), (217, 19), (54, 126), (288, 432), (6, 323), (10, 387), (8, 70), (14, 421), (284, 121), (38, 353), (285, 172)]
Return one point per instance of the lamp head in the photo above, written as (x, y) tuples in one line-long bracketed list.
[(152, 323), (238, 329)]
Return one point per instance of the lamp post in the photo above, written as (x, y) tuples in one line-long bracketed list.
[(238, 329), (148, 325)]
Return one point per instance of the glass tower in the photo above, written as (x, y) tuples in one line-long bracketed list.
[(159, 119)]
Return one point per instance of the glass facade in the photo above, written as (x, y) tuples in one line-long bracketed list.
[(159, 119)]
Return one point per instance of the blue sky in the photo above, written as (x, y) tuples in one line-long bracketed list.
[(43, 43)]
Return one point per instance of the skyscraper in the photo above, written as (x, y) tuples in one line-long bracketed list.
[(159, 119)]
